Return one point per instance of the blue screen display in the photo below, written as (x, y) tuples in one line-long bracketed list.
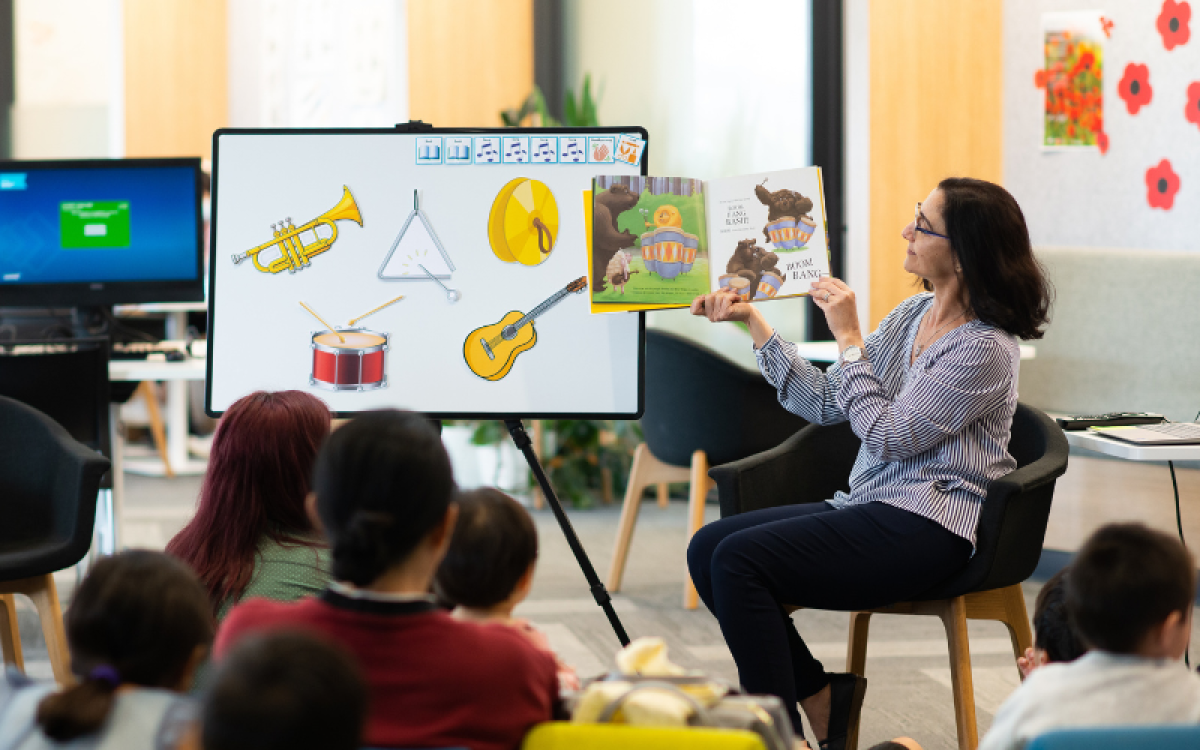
[(99, 224)]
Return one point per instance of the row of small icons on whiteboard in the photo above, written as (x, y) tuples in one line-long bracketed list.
[(529, 149)]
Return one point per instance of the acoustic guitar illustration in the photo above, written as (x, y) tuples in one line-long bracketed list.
[(491, 350)]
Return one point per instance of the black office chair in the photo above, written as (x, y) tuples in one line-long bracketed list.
[(816, 462), (49, 483), (701, 410)]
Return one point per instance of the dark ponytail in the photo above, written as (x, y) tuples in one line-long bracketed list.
[(383, 482), (136, 619)]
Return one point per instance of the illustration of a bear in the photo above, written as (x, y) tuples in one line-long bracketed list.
[(606, 238), (750, 262), (783, 203)]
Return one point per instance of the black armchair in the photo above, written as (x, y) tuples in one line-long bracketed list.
[(48, 482), (814, 463)]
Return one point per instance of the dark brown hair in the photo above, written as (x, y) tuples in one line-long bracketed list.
[(136, 619), (1007, 285), (1051, 627), (383, 482), (494, 544), (287, 690), (1126, 580), (258, 476)]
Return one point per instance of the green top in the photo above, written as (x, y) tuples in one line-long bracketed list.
[(283, 572)]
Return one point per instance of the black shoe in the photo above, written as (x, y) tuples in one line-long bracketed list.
[(846, 692)]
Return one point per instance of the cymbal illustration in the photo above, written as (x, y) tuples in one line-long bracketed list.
[(523, 223)]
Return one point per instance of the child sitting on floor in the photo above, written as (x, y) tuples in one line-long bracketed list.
[(383, 494), (1054, 639), (488, 569), (138, 626), (1129, 594), (285, 691)]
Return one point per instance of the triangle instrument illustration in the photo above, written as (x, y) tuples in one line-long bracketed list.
[(417, 245)]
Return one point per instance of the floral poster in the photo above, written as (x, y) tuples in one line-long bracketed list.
[(1073, 79)]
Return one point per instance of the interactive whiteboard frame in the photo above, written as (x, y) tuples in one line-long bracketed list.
[(567, 203)]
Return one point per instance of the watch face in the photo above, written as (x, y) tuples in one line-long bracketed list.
[(852, 354)]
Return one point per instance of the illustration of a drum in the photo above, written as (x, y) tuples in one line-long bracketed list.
[(356, 364), (804, 230), (690, 245), (668, 245), (740, 286), (782, 232), (649, 258), (768, 286), (724, 280)]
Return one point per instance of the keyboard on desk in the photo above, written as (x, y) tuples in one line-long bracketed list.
[(1167, 433), (141, 350), (1176, 429)]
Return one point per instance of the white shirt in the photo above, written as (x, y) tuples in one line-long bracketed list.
[(1097, 689)]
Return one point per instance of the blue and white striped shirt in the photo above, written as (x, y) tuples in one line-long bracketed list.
[(933, 434)]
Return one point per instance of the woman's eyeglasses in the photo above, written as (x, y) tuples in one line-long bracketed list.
[(919, 217)]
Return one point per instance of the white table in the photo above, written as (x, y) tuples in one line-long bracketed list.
[(1129, 451), (176, 375), (827, 351)]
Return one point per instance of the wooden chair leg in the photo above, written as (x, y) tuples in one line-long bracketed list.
[(954, 618), (629, 514), (146, 389), (1016, 619), (664, 495), (697, 493), (44, 593), (10, 635), (856, 661)]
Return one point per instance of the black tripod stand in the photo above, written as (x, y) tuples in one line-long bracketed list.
[(599, 593)]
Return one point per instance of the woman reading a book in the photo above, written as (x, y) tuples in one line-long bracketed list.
[(931, 394)]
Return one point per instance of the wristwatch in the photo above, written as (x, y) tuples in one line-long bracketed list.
[(850, 354)]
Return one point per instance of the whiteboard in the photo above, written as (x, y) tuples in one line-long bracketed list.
[(459, 202)]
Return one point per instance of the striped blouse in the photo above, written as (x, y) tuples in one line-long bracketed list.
[(933, 433)]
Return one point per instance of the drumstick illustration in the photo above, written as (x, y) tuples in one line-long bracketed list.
[(341, 338), (372, 312)]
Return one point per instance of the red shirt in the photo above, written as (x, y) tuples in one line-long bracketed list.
[(433, 681)]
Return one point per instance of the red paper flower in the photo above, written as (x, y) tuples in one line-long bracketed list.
[(1135, 87), (1173, 23), (1192, 111), (1039, 79), (1102, 141), (1106, 24), (1161, 185)]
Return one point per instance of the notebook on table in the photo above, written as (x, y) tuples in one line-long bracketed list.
[(1167, 433)]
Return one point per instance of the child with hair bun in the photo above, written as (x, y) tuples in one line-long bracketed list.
[(383, 493), (138, 627), (489, 567)]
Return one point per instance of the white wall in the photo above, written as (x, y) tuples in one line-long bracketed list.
[(318, 63), (69, 100), (720, 93)]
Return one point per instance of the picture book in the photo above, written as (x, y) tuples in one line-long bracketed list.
[(659, 242)]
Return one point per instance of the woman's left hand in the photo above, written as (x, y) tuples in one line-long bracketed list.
[(836, 300)]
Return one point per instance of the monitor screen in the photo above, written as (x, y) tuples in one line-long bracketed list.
[(100, 232)]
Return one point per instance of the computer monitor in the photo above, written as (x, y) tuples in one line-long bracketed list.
[(100, 232)]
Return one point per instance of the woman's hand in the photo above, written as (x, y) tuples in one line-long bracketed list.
[(721, 306), (836, 300)]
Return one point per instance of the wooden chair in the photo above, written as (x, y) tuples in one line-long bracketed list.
[(816, 462), (49, 483), (701, 410)]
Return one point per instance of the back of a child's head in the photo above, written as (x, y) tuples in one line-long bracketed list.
[(1052, 628), (383, 481), (1126, 580), (285, 691), (138, 618), (494, 545)]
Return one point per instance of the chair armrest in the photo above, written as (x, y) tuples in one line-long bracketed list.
[(808, 467)]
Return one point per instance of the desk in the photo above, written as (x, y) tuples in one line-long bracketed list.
[(827, 351), (1129, 451), (176, 375)]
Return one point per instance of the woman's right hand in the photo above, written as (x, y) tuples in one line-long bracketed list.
[(721, 306)]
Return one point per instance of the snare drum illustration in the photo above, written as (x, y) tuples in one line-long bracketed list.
[(768, 286), (740, 286), (668, 250), (356, 364), (782, 232), (649, 258), (691, 244)]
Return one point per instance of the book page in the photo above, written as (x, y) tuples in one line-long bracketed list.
[(649, 242), (767, 233)]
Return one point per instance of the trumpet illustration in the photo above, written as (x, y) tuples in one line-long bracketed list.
[(294, 255)]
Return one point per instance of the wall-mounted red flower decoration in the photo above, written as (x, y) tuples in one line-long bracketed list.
[(1173, 23), (1192, 111), (1039, 79), (1102, 141), (1161, 185), (1135, 87), (1107, 25)]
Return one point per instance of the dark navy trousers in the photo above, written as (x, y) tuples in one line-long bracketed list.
[(747, 567)]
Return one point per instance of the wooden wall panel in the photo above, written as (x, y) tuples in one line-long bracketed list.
[(936, 102), (468, 60), (176, 89)]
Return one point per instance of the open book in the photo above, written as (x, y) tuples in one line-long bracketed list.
[(659, 242)]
